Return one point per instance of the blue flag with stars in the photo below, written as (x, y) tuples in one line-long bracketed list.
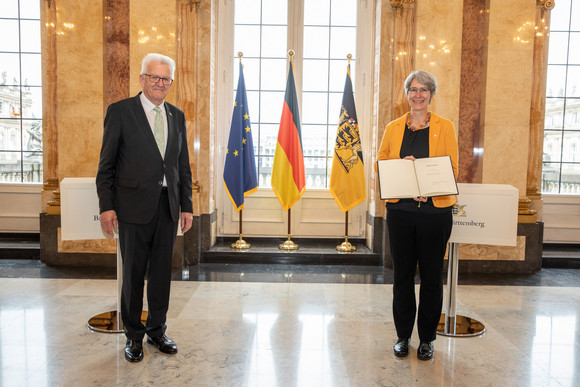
[(240, 177)]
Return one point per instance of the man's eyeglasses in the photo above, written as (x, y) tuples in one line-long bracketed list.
[(421, 90), (155, 79)]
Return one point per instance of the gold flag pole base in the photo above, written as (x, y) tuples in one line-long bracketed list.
[(288, 245), (240, 244), (346, 246)]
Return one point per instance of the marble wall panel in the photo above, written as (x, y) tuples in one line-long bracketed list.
[(505, 160), (152, 30), (79, 91), (439, 35)]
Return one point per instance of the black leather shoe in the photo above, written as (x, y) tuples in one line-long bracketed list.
[(134, 350), (163, 344), (425, 350), (401, 348)]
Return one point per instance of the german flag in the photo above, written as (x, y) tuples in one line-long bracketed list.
[(288, 177)]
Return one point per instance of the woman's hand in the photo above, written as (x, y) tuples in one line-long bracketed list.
[(418, 198)]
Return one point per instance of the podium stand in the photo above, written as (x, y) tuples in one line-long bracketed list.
[(80, 221), (483, 214)]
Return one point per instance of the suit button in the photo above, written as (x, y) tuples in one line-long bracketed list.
[(160, 183)]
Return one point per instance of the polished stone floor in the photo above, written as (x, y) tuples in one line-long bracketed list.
[(284, 325)]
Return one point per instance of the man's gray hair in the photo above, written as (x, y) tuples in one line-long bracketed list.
[(150, 58)]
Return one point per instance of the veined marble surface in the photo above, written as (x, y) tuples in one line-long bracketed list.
[(285, 334)]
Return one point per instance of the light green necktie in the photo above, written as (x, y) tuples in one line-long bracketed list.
[(158, 130)]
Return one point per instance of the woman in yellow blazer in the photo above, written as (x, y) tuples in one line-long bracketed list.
[(419, 228)]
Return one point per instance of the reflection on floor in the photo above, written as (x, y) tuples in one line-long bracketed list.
[(277, 325)]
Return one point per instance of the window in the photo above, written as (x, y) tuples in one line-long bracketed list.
[(561, 160), (264, 32), (20, 92)]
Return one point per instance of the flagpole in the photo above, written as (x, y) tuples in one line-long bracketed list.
[(289, 244), (240, 244), (346, 246)]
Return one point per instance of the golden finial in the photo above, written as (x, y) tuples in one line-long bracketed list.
[(240, 55), (291, 55)]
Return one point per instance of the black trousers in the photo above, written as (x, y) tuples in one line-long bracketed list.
[(418, 238), (147, 248)]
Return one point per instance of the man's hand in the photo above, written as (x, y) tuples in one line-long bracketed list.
[(109, 223), (186, 220)]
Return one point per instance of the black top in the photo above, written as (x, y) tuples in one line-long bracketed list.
[(415, 143)]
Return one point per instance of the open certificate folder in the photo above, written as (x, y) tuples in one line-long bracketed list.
[(404, 178)]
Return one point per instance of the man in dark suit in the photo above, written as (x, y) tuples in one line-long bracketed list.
[(144, 189)]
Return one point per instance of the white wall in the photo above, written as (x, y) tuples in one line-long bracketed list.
[(20, 206)]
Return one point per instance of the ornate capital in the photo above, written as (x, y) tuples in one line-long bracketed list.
[(548, 4), (399, 3)]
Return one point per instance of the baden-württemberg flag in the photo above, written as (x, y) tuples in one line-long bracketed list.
[(240, 178), (288, 177), (347, 177)]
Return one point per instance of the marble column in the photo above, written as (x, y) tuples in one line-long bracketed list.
[(472, 95), (116, 59), (404, 63), (50, 194), (537, 110)]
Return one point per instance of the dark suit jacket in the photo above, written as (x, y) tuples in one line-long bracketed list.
[(131, 169)]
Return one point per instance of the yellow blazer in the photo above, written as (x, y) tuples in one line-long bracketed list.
[(442, 142)]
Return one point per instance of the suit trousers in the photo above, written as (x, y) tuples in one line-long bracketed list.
[(147, 249), (418, 238)]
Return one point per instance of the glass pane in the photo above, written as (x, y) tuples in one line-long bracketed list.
[(29, 9), (268, 139), (10, 8), (274, 42), (315, 172), (247, 12), (334, 107), (32, 167), (265, 171), (344, 12), (251, 73), (560, 16), (30, 36), (552, 146), (571, 151), (342, 42), (273, 74), (10, 102), (314, 140), (556, 81), (575, 17), (32, 135), (315, 75), (332, 132), (573, 82), (314, 108), (31, 70), (570, 179), (338, 74), (554, 117), (10, 71), (275, 12), (551, 178), (572, 118), (9, 28), (10, 167), (558, 48), (271, 104), (32, 102), (574, 53), (10, 135), (316, 43), (316, 12), (247, 40)]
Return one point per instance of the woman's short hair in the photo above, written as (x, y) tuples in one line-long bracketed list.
[(424, 78), (149, 58)]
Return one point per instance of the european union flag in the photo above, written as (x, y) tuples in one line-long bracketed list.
[(240, 177)]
